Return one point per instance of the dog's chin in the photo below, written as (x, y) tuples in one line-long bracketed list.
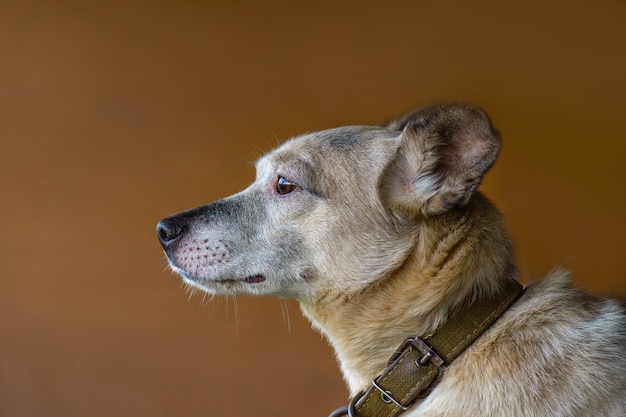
[(247, 285), (215, 284)]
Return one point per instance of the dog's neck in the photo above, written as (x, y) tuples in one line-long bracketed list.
[(365, 327)]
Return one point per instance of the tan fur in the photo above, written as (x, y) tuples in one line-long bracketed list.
[(380, 233)]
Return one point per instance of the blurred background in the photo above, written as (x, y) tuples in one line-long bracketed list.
[(114, 115)]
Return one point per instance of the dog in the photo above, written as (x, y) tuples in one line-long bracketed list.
[(381, 234)]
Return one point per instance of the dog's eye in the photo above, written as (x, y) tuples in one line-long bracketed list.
[(284, 186)]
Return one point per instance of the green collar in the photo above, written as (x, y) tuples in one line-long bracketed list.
[(415, 365)]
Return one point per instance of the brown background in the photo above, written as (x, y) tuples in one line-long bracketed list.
[(113, 116)]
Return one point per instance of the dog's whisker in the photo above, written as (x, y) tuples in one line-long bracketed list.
[(207, 299), (284, 308), (236, 311), (166, 263), (276, 138), (191, 291), (203, 301), (246, 160), (257, 153)]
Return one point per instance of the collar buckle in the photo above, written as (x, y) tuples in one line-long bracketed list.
[(430, 356)]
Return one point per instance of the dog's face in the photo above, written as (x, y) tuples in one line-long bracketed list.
[(333, 210), (311, 213)]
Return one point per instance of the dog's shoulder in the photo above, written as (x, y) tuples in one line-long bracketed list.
[(554, 300), (554, 336), (551, 313)]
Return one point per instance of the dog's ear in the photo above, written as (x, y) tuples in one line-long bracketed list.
[(444, 152)]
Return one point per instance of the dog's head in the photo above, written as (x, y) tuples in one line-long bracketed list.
[(333, 210)]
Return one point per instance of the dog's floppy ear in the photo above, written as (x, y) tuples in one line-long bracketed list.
[(444, 152)]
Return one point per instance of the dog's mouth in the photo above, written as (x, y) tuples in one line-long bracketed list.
[(254, 279), (196, 278)]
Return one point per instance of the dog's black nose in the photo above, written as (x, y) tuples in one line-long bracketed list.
[(170, 230)]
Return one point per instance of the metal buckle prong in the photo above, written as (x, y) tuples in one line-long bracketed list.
[(388, 395), (429, 354), (417, 343)]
